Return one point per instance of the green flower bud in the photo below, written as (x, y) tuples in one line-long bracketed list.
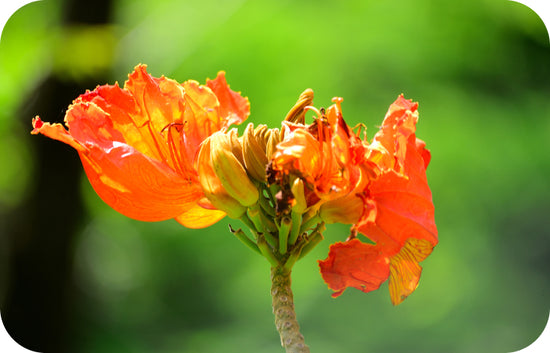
[(222, 176), (297, 189), (212, 187), (230, 171)]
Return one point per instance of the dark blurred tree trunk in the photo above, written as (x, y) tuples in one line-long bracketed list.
[(41, 232)]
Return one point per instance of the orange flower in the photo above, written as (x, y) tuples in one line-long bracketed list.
[(398, 214), (380, 187), (323, 154), (138, 143)]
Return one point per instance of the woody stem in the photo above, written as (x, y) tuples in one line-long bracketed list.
[(283, 309)]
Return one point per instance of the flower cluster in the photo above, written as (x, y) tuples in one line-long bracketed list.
[(157, 149)]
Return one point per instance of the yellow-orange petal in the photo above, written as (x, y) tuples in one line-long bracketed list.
[(199, 217), (299, 154), (405, 269), (158, 100), (136, 115), (346, 209)]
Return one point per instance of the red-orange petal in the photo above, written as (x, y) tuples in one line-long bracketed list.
[(390, 143), (425, 153), (404, 206), (56, 132), (234, 108), (354, 264)]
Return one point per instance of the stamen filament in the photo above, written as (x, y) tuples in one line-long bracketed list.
[(176, 158), (157, 145)]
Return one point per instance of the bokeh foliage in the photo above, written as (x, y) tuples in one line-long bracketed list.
[(481, 73)]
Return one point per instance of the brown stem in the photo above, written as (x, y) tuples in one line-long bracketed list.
[(283, 308)]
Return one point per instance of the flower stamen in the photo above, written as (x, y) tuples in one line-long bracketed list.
[(172, 148), (315, 110), (157, 144)]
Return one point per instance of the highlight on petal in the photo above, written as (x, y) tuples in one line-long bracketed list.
[(138, 186), (138, 143), (354, 264)]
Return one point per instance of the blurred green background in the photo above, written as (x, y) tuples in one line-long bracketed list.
[(75, 276)]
